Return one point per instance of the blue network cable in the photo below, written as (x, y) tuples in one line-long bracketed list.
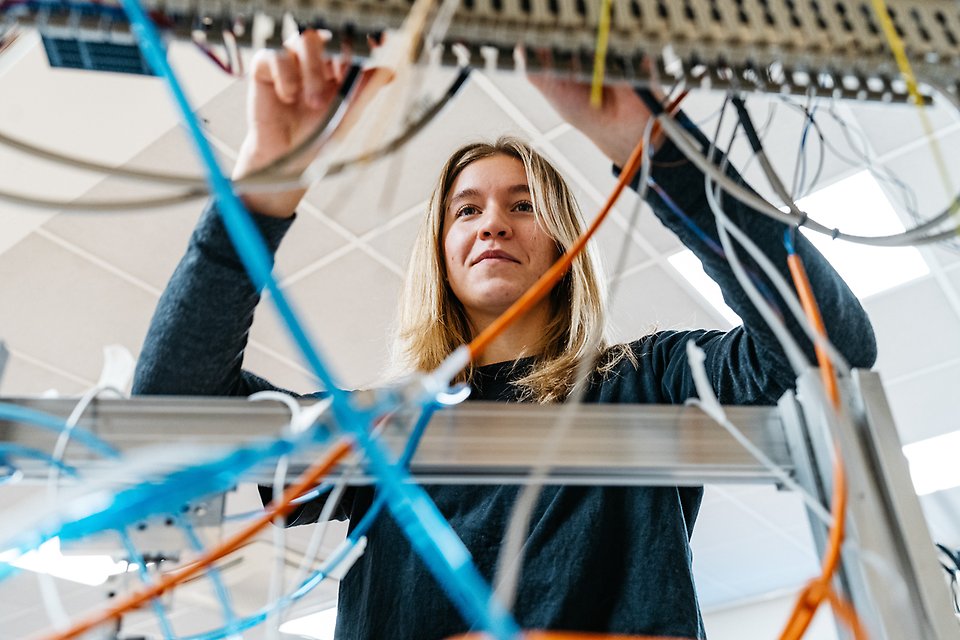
[(219, 587), (135, 557), (429, 533), (353, 539), (9, 449), (14, 413)]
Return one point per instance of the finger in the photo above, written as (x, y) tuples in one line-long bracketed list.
[(315, 67), (282, 70)]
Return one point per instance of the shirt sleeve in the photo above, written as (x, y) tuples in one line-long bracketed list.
[(198, 334), (746, 364)]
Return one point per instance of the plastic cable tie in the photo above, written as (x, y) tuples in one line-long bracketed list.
[(289, 29), (307, 416), (519, 60), (438, 381), (262, 30), (462, 54), (489, 55), (353, 551), (118, 366)]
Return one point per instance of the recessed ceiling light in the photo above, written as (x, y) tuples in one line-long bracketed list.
[(933, 463), (691, 269), (318, 625), (858, 205), (91, 570)]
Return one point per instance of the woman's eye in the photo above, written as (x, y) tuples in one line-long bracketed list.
[(467, 210), (526, 207)]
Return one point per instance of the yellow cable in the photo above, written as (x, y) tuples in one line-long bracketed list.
[(600, 55), (900, 56)]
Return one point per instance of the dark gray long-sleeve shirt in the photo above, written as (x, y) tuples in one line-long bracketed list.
[(613, 559)]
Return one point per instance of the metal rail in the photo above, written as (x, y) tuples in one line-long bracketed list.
[(475, 442)]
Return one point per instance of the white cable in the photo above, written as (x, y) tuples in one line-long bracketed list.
[(278, 531), (50, 594), (795, 355), (689, 148), (277, 572), (709, 404), (320, 530), (510, 558), (789, 296)]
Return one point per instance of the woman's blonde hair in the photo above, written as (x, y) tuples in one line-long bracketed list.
[(432, 322)]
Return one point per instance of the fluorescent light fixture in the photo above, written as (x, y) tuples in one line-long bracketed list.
[(858, 205), (319, 625), (691, 269), (91, 570), (933, 463)]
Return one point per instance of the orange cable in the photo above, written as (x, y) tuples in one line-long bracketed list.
[(809, 304), (820, 589), (552, 276), (169, 580)]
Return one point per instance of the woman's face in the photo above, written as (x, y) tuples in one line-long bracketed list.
[(493, 247)]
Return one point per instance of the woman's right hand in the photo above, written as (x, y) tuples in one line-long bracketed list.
[(291, 90)]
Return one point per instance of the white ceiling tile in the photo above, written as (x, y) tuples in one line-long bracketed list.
[(944, 255), (652, 300), (877, 120), (145, 245), (924, 406), (278, 371), (224, 115), (308, 240), (68, 309), (26, 378), (525, 97), (915, 328), (712, 591), (592, 166), (109, 118), (351, 330), (594, 175), (396, 242), (942, 510), (609, 242), (919, 172), (953, 276)]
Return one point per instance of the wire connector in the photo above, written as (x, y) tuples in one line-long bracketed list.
[(438, 381)]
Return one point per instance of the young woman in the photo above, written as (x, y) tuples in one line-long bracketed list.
[(613, 559)]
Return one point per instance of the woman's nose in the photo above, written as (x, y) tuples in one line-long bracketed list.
[(495, 224)]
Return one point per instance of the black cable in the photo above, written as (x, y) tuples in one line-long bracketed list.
[(409, 132), (747, 123)]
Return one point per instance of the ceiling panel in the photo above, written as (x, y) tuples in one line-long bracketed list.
[(915, 327), (352, 331), (654, 300), (25, 377), (82, 307), (921, 407), (875, 121)]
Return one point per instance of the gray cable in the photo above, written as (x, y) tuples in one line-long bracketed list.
[(269, 178), (689, 148)]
